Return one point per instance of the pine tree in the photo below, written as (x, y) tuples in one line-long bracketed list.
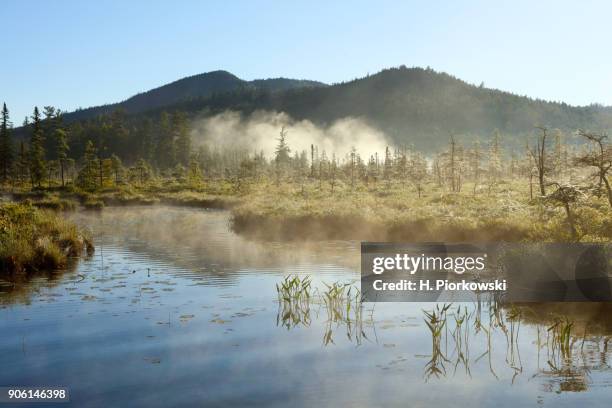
[(388, 164), (282, 155), (87, 176), (282, 149), (183, 140), (61, 149), (49, 122), (116, 167), (147, 145), (166, 149), (6, 146), (23, 163), (37, 151)]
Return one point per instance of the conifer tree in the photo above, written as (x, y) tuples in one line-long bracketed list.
[(6, 146), (282, 157), (183, 140), (87, 176), (147, 145), (61, 149), (116, 167), (37, 151), (23, 163), (166, 149)]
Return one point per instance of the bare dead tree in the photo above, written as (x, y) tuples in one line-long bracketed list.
[(332, 173), (600, 158), (538, 154)]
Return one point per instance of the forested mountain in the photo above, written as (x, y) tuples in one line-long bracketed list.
[(415, 106), (185, 89)]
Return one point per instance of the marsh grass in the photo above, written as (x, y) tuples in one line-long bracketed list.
[(455, 328), (93, 204), (397, 213), (294, 294), (340, 302), (566, 361), (343, 304), (263, 209), (436, 322), (560, 337), (32, 239)]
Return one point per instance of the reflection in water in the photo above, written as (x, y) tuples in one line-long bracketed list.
[(569, 358), (175, 310), (341, 304), (185, 237), (453, 328)]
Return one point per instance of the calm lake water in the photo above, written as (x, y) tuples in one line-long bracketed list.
[(176, 310)]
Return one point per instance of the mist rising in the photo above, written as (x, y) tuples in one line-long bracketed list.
[(260, 130)]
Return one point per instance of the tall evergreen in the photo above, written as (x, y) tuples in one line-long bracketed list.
[(61, 150), (282, 156), (87, 176), (6, 146), (165, 153), (116, 167), (145, 136), (37, 151), (183, 141), (23, 163), (48, 125), (282, 152)]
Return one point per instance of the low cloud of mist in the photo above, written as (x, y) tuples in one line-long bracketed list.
[(260, 131)]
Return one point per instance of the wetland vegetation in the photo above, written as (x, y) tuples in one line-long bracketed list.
[(556, 188), (34, 240)]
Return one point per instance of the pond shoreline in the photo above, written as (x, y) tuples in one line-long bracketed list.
[(266, 211)]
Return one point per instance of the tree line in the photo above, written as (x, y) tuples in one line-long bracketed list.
[(91, 154)]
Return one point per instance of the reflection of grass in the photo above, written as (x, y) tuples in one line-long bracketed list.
[(343, 305), (567, 361), (341, 301), (454, 326), (33, 239), (561, 332), (436, 321), (294, 301)]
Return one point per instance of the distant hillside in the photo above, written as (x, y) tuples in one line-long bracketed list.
[(415, 106), (185, 89)]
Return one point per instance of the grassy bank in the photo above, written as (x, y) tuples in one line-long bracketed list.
[(383, 211), (32, 239), (69, 198), (397, 213)]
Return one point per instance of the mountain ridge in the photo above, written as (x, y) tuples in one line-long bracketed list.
[(413, 106), (193, 86)]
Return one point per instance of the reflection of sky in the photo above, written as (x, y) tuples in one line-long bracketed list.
[(173, 338)]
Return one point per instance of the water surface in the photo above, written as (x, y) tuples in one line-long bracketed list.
[(176, 310)]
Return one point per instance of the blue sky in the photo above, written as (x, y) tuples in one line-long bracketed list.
[(74, 54)]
